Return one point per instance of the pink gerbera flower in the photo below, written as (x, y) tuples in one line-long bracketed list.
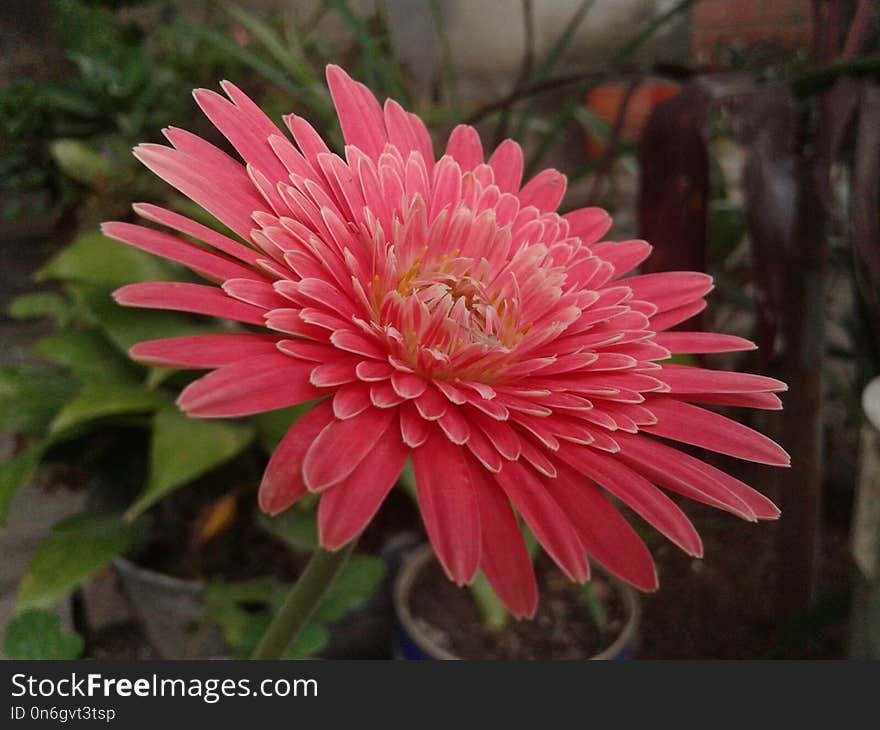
[(447, 314)]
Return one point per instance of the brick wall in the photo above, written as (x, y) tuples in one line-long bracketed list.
[(782, 24)]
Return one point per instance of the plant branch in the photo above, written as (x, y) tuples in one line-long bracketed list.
[(819, 79), (305, 596)]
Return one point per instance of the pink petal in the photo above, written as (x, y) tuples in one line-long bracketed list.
[(307, 139), (545, 518), (413, 428), (500, 435), (431, 404), (372, 371), (202, 351), (360, 116), (446, 187), (448, 503), (765, 401), (670, 289), (666, 320), (382, 395), (588, 224), (545, 191), (637, 493), (306, 350), (700, 343), (537, 457), (623, 256), (351, 400), (408, 133), (283, 483), (507, 166), (504, 558), (464, 147), (259, 293), (337, 371), (683, 379), (698, 427), (454, 425), (357, 344), (195, 298), (347, 508), (342, 446), (228, 195), (695, 479), (408, 385), (188, 227), (257, 384), (247, 129), (604, 533), (484, 451)]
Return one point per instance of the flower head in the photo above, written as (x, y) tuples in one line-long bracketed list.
[(446, 313)]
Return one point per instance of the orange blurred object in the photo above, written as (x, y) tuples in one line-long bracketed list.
[(215, 518), (606, 100)]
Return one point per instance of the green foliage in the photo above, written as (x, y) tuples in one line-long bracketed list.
[(36, 634), (125, 327), (243, 609), (30, 398), (101, 399), (297, 526), (492, 611), (79, 161), (75, 550), (272, 425), (15, 473), (39, 305), (96, 259), (184, 449), (87, 355)]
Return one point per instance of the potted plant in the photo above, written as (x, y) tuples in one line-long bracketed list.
[(89, 419), (436, 620)]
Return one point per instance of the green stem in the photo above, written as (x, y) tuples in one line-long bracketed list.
[(819, 79), (304, 597)]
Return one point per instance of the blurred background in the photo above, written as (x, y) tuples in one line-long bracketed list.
[(739, 137)]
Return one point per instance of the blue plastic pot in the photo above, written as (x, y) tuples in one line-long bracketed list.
[(411, 642)]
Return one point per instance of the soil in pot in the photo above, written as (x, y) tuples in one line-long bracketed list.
[(564, 627)]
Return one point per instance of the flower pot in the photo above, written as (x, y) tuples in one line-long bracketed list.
[(417, 638), (865, 540), (172, 611)]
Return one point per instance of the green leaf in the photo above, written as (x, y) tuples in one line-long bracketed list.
[(407, 480), (595, 607), (29, 399), (157, 376), (226, 605), (15, 473), (103, 399), (272, 425), (492, 611), (298, 527), (125, 327), (36, 634), (727, 227), (274, 44), (311, 641), (96, 259), (358, 580), (185, 448), (39, 305), (87, 354), (79, 161), (75, 550)]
